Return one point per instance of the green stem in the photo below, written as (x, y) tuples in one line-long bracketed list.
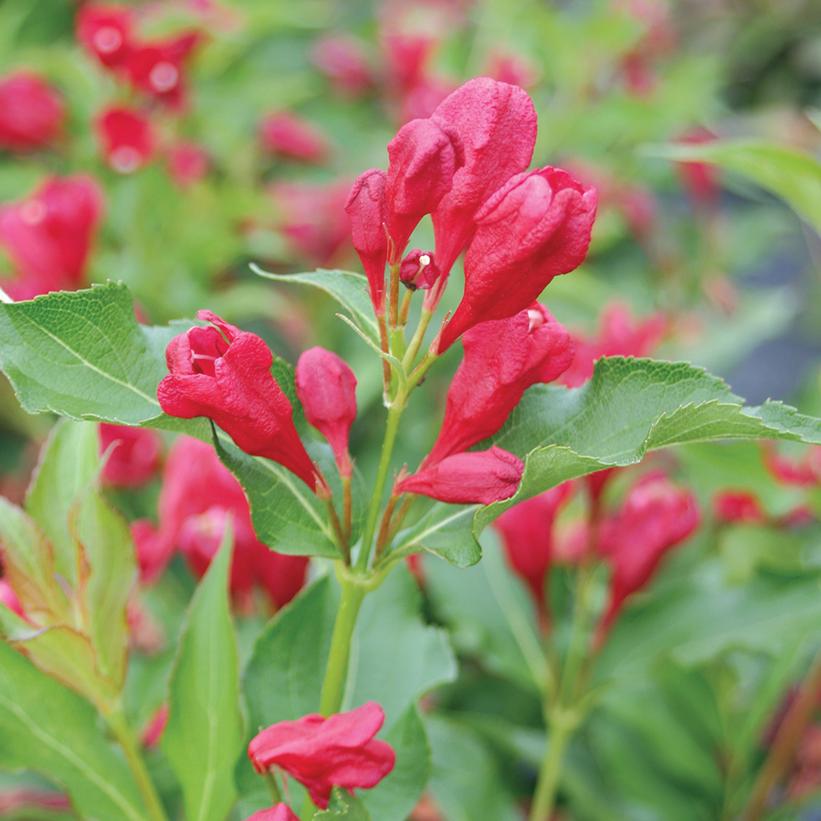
[(125, 738), (336, 673), (561, 731), (418, 338)]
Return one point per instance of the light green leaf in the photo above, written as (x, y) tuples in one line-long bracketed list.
[(445, 531), (629, 407), (47, 728), (350, 290), (204, 735), (793, 175)]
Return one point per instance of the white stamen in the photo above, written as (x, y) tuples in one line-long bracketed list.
[(33, 212), (164, 76), (107, 40), (125, 159)]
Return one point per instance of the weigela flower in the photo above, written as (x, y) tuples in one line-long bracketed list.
[(126, 137), (513, 69), (478, 477), (157, 68), (326, 387), (528, 538), (734, 506), (367, 209), (344, 62), (655, 517), (406, 57), (323, 753), (804, 472), (133, 454), (106, 32), (535, 227), (49, 235), (503, 358), (700, 179), (224, 374), (187, 162), (423, 159), (31, 112), (199, 498), (279, 812), (419, 270), (287, 135), (153, 548), (495, 125)]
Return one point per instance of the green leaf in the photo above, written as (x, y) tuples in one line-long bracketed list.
[(81, 354), (350, 290), (793, 175), (629, 407), (445, 531), (204, 735), (47, 728), (343, 805)]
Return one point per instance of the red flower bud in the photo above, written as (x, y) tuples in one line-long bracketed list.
[(326, 387), (527, 534), (223, 373), (419, 270), (532, 229), (187, 163), (735, 506), (106, 33), (323, 753), (127, 138), (423, 160), (279, 812), (367, 209), (153, 731), (502, 360), (156, 68), (8, 598), (133, 455), (153, 549), (49, 235), (804, 472), (31, 112), (290, 136), (495, 125), (655, 517), (481, 477)]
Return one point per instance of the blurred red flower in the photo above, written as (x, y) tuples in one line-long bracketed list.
[(126, 138), (287, 135), (31, 112)]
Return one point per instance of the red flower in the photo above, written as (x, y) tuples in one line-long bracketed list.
[(619, 335), (478, 477), (31, 112), (326, 387), (423, 99), (8, 598), (510, 68), (527, 534), (126, 137), (406, 57), (290, 136), (49, 235), (106, 33), (279, 812), (153, 548), (700, 179), (532, 229), (323, 753), (367, 209), (343, 61), (157, 68), (133, 454), (655, 517), (502, 360), (738, 506), (423, 159), (419, 270), (495, 125), (805, 472), (187, 163), (198, 498), (223, 373)]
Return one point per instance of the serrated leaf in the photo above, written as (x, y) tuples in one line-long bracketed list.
[(793, 175), (350, 290), (204, 735), (47, 728), (629, 407)]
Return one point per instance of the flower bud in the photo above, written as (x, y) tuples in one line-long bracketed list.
[(419, 270), (734, 506), (133, 455), (532, 229), (126, 137), (479, 477), (368, 213), (287, 135), (106, 33), (224, 374), (326, 387), (8, 598), (31, 112)]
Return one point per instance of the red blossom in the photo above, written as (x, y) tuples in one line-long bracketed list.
[(279, 812), (535, 227), (406, 57), (655, 517), (344, 62), (323, 753), (804, 472), (8, 598), (157, 68), (133, 454), (31, 112), (738, 506), (503, 358), (513, 69), (187, 163), (290, 136), (528, 538), (495, 125), (224, 374), (48, 236), (153, 548), (478, 477), (106, 32), (326, 387), (127, 138), (419, 270)]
